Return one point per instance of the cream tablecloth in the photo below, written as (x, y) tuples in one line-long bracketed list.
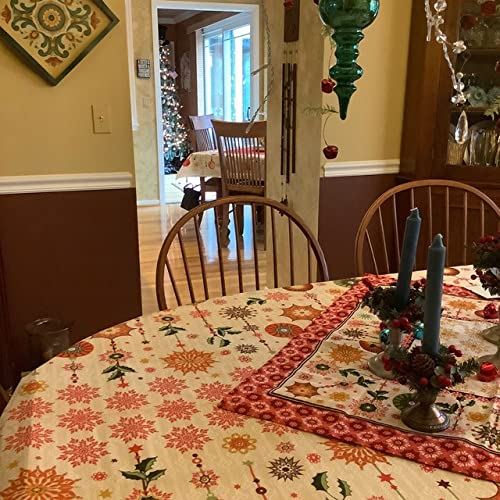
[(131, 413)]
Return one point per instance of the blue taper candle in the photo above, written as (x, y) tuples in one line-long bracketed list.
[(410, 242), (434, 295)]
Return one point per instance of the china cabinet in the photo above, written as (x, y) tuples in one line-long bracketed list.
[(429, 148)]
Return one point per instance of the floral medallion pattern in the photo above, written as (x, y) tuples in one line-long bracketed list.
[(54, 35), (142, 419)]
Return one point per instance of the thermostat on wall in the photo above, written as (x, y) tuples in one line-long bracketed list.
[(143, 68)]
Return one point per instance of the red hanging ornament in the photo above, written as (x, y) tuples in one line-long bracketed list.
[(327, 85), (468, 21), (331, 152), (289, 4)]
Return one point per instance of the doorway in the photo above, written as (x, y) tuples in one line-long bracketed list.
[(217, 45)]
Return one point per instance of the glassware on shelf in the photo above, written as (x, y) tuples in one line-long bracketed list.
[(456, 152), (493, 33), (476, 36), (483, 150), (49, 337)]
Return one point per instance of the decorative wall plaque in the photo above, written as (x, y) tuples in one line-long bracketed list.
[(143, 68), (53, 36)]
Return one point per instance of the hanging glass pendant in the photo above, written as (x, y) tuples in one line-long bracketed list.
[(462, 130), (347, 18)]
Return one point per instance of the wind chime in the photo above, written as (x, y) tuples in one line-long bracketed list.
[(289, 95)]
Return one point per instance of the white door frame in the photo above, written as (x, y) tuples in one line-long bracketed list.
[(201, 6)]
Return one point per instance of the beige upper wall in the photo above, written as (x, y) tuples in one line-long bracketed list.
[(373, 127), (48, 130)]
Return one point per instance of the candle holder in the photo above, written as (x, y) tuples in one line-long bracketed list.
[(427, 375), (424, 415), (492, 335), (377, 363), (383, 302)]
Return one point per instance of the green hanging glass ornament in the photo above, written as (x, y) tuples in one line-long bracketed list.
[(347, 18)]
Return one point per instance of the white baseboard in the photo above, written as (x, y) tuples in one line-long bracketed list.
[(147, 203), (16, 184), (359, 168)]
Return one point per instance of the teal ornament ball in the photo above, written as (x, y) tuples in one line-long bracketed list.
[(384, 336), (347, 19), (419, 332)]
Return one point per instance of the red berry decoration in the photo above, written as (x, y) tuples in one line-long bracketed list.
[(452, 348), (444, 381), (331, 152), (488, 8), (458, 353), (490, 311), (423, 381), (488, 372), (327, 85)]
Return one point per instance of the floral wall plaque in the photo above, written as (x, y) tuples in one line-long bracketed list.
[(53, 36)]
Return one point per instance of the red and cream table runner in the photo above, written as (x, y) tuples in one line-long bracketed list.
[(132, 412)]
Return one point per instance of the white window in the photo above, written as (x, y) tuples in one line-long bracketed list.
[(224, 54)]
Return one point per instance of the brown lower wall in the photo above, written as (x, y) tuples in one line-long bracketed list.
[(343, 202), (73, 255)]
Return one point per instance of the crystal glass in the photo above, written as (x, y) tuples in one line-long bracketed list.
[(493, 33), (483, 147), (49, 337)]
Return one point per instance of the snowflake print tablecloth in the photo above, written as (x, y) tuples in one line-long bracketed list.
[(132, 413), (201, 164)]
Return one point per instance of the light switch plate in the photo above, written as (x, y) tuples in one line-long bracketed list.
[(101, 118)]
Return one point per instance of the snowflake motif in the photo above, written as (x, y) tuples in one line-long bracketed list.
[(296, 313), (354, 454), (153, 492), (285, 468), (125, 355), (250, 328), (285, 447), (40, 484), (82, 451), (220, 302), (192, 361), (78, 394), (205, 479), (225, 419), (214, 391), (487, 435), (244, 359), (200, 313), (239, 443), (84, 419), (176, 410), (31, 408), (99, 476), (130, 428), (33, 386), (314, 458), (127, 400), (241, 374), (167, 385), (187, 438), (345, 354), (277, 296), (238, 312), (246, 348), (31, 436)]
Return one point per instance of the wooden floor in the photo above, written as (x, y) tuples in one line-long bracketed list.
[(154, 225)]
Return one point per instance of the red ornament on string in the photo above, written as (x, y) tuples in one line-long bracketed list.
[(331, 152), (327, 85), (468, 21), (288, 4)]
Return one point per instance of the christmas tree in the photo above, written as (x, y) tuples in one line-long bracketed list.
[(175, 137)]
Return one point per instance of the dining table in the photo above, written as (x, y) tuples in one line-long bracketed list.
[(201, 164), (260, 395)]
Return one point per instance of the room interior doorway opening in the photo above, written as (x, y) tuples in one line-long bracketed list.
[(212, 46)]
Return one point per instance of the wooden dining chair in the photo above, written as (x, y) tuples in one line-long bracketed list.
[(242, 152), (198, 266), (204, 140), (461, 213)]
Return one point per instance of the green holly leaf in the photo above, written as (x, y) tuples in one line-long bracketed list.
[(233, 332), (110, 369), (363, 382), (224, 342), (378, 395), (153, 476), (471, 403), (116, 375), (345, 489), (255, 300), (211, 340), (146, 464), (320, 482), (126, 369), (134, 475), (402, 401)]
